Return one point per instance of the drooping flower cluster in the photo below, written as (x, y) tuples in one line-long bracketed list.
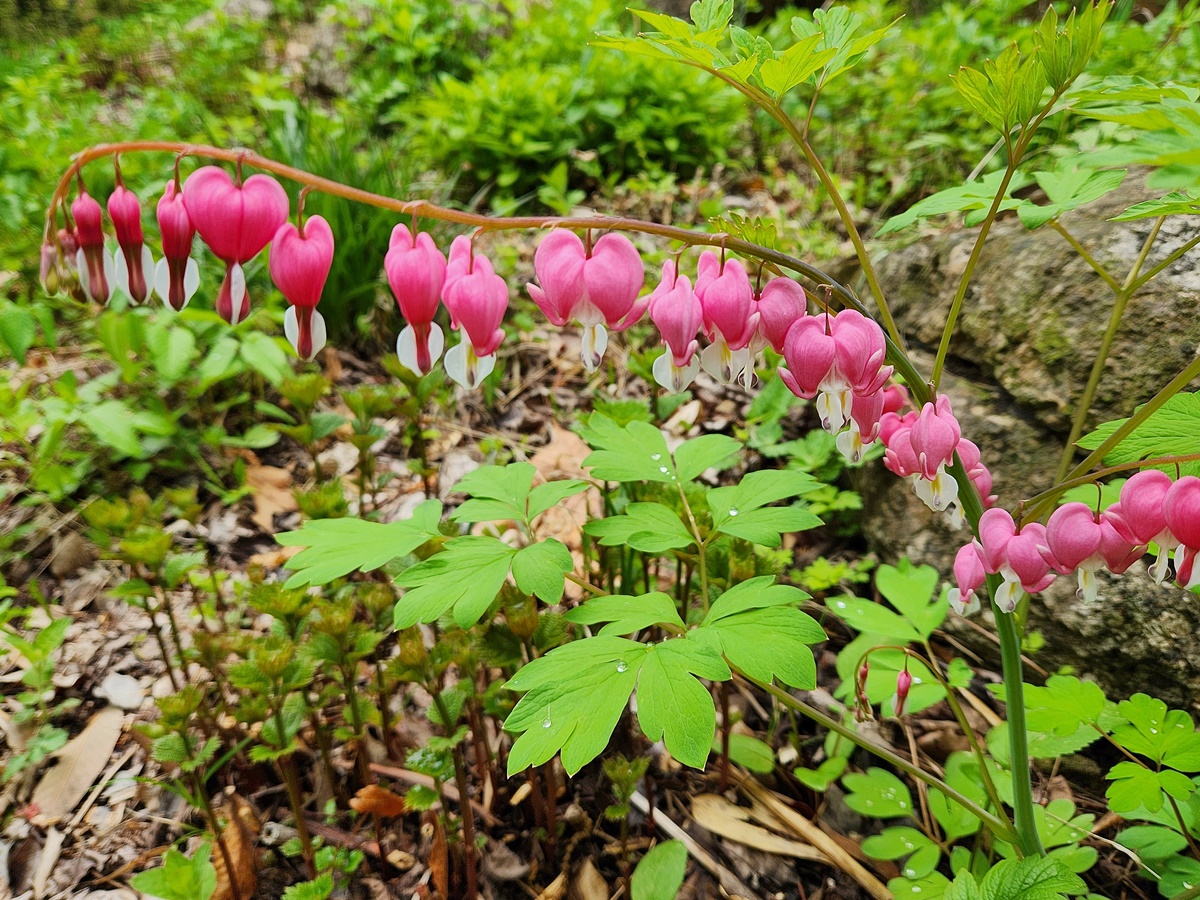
[(1151, 509), (921, 444), (838, 359)]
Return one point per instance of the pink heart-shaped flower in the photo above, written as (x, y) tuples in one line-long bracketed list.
[(236, 221)]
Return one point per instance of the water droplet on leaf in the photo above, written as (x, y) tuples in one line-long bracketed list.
[(622, 665)]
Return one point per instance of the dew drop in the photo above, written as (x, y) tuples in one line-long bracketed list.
[(656, 456), (663, 469), (733, 512), (546, 723), (1154, 731), (622, 665)]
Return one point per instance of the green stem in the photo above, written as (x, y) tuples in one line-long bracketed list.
[(1000, 828), (1028, 842), (1123, 293), (1149, 408), (1085, 255), (700, 544), (1173, 257), (989, 785)]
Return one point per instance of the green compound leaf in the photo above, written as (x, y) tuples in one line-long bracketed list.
[(1067, 187), (740, 510), (795, 65), (649, 527), (754, 593), (1151, 842), (660, 873), (674, 707), (877, 793), (576, 694), (711, 451), (539, 569), (337, 547), (180, 878), (748, 751), (18, 330), (962, 774), (1172, 430), (974, 198), (625, 615), (633, 452), (913, 590), (1034, 878), (900, 842), (496, 493), (1065, 705), (1134, 786), (1176, 203), (822, 776), (552, 493), (767, 643), (465, 577), (1166, 736)]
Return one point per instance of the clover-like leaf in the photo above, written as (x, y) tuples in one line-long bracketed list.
[(539, 569)]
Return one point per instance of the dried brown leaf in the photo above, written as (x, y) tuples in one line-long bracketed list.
[(731, 821), (589, 884), (439, 861), (555, 890), (80, 761), (378, 800), (271, 488), (238, 838)]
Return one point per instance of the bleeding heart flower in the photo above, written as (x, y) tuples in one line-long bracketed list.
[(1138, 516), (416, 271), (780, 305), (92, 260), (135, 268), (1020, 558), (477, 300), (970, 576), (1181, 510), (48, 270), (1075, 536), (236, 221), (677, 314), (300, 262), (730, 318), (596, 288), (904, 682), (177, 276)]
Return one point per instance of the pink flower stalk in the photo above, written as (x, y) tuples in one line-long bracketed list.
[(92, 260), (176, 277), (597, 288), (830, 356), (1019, 557), (970, 576), (416, 271), (476, 299), (300, 262), (135, 268), (780, 305), (979, 474), (730, 318), (676, 312), (236, 221), (934, 436), (1181, 509), (1076, 537), (1140, 519)]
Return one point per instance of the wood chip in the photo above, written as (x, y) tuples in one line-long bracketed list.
[(378, 800), (79, 762), (589, 884), (50, 853)]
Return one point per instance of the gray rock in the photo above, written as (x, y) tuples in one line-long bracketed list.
[(1020, 359)]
